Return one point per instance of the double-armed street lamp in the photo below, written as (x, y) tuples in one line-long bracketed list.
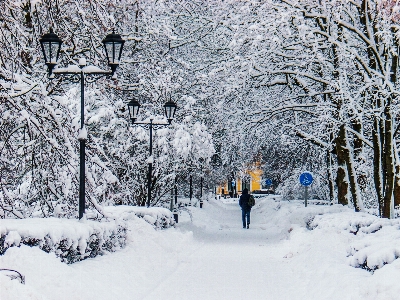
[(133, 107), (51, 46)]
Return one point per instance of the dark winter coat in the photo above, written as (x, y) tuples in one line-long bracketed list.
[(244, 202)]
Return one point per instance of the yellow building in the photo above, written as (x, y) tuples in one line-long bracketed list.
[(252, 183)]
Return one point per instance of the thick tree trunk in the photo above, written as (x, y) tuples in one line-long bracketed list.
[(356, 124), (387, 209), (354, 188), (378, 178), (396, 191), (378, 137), (346, 179), (331, 182), (341, 177), (393, 79), (391, 194)]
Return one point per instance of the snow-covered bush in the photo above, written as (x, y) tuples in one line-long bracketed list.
[(69, 239), (159, 218), (378, 240), (72, 240)]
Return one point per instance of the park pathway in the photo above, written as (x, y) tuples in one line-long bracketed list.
[(231, 262)]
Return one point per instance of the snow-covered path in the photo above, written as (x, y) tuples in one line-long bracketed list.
[(230, 262), (236, 263), (212, 257)]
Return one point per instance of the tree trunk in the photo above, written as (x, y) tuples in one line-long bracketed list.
[(393, 79), (391, 168), (341, 177), (356, 124), (346, 178), (396, 188), (330, 176), (378, 178), (355, 192), (387, 209)]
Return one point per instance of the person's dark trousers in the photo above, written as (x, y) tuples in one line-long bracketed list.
[(245, 214)]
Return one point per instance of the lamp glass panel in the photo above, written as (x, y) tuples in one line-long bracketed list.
[(131, 111), (105, 47), (110, 56), (53, 52), (121, 46), (117, 52), (136, 111), (168, 111), (173, 109), (46, 48)]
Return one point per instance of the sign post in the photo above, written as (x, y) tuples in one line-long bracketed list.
[(268, 184), (306, 179), (233, 188)]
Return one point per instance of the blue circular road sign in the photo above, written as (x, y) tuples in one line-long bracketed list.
[(268, 182), (306, 178)]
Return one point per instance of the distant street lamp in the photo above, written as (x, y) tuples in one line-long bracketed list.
[(190, 189), (133, 107), (201, 160), (201, 191), (51, 46)]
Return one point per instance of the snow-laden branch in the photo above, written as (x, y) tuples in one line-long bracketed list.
[(360, 136), (314, 140), (293, 107), (368, 42)]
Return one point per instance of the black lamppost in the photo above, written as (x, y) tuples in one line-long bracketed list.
[(201, 191), (201, 181), (51, 46), (190, 188), (176, 198), (170, 108)]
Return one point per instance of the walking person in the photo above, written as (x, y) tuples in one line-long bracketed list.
[(246, 207)]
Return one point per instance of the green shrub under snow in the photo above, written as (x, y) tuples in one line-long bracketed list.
[(72, 240)]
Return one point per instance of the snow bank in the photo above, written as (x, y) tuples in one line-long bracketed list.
[(373, 242), (287, 214), (11, 288), (377, 240), (73, 240)]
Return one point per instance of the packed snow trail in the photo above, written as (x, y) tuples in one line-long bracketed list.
[(231, 263), (236, 263)]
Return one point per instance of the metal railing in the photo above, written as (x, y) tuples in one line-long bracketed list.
[(13, 274)]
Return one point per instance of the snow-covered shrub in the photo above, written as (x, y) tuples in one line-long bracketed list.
[(346, 221), (378, 240), (158, 217), (379, 245), (70, 240)]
